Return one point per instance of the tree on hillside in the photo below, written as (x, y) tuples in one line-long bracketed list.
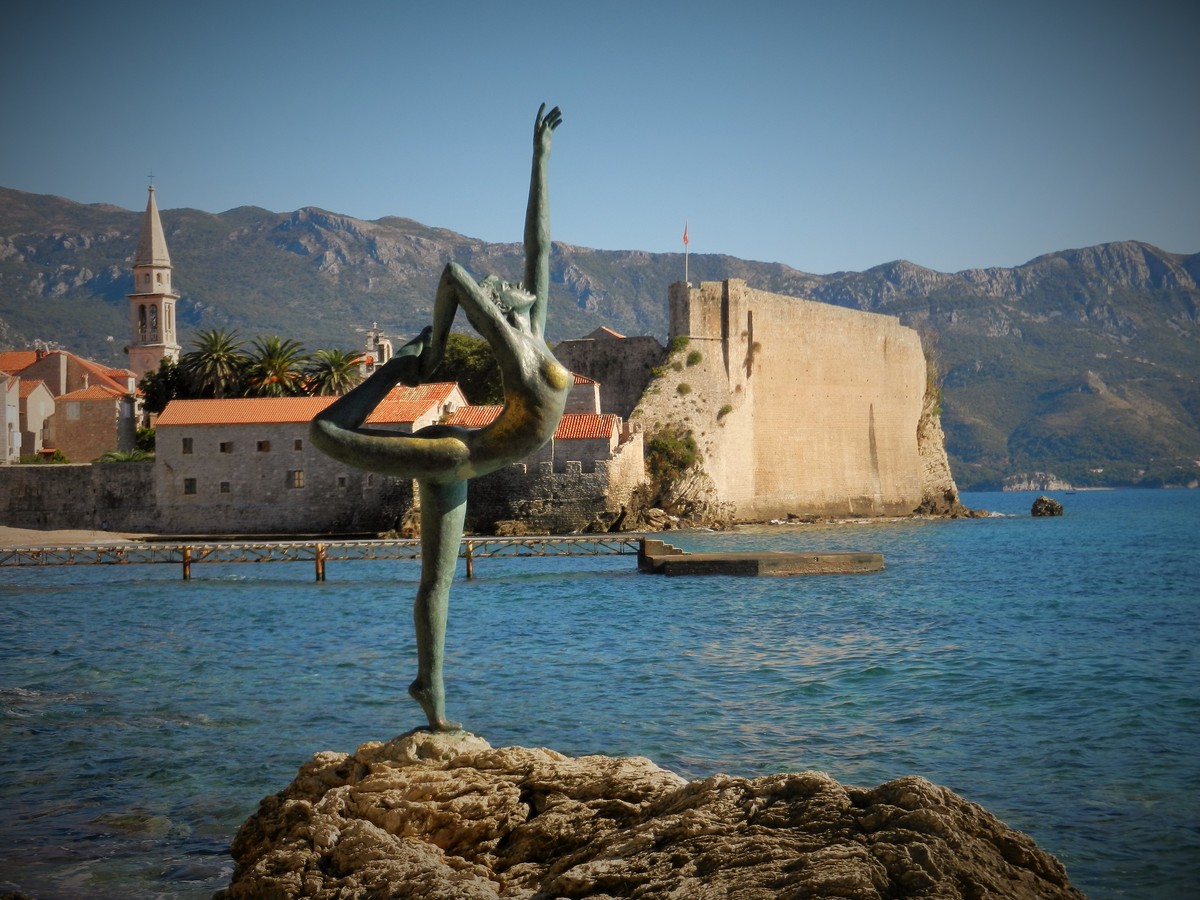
[(331, 372), (215, 366), (275, 368)]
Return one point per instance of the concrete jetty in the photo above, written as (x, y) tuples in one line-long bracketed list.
[(660, 558)]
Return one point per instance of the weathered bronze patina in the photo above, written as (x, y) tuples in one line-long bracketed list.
[(512, 318)]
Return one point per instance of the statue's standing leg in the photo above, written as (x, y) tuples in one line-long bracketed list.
[(443, 511)]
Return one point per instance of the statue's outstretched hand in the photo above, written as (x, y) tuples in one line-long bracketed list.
[(543, 128)]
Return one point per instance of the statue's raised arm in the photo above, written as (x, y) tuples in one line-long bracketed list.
[(537, 219)]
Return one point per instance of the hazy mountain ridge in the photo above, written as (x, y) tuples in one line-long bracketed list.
[(1078, 360)]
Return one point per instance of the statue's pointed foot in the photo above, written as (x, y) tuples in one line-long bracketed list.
[(433, 708), (411, 360)]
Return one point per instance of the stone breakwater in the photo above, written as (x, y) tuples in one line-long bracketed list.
[(448, 816)]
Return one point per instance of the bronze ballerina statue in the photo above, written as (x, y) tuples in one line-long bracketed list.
[(512, 318)]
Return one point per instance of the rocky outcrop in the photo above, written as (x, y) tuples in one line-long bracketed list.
[(939, 493), (1044, 506), (448, 816)]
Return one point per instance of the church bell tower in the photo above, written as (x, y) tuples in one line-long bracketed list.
[(152, 303)]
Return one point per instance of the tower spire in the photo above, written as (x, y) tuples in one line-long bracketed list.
[(152, 246), (152, 303)]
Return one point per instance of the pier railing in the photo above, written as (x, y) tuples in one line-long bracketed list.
[(188, 553)]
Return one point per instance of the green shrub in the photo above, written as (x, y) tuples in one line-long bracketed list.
[(670, 452), (40, 460), (724, 411), (677, 343), (683, 389), (119, 456), (694, 357)]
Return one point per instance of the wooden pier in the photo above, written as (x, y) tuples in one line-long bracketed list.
[(187, 553), (654, 556)]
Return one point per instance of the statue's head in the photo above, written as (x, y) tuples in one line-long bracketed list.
[(512, 299)]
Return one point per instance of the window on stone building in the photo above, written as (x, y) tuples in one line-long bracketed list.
[(295, 478), (264, 446), (187, 445), (341, 481), (72, 409), (224, 487), (226, 446), (189, 485), (298, 444)]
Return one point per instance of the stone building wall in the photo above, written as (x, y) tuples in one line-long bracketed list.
[(556, 498), (267, 479), (799, 407), (84, 429), (622, 365)]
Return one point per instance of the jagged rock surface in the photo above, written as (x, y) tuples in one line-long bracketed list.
[(448, 816), (939, 493), (1045, 506)]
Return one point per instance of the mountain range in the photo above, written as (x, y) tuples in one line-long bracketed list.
[(1081, 364)]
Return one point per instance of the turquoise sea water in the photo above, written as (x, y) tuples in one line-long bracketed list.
[(1048, 669)]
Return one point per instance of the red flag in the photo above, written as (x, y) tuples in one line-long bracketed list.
[(685, 240)]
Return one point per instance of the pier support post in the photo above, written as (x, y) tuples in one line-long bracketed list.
[(187, 563), (320, 562), (470, 561)]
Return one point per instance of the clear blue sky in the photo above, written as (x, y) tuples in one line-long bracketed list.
[(827, 136)]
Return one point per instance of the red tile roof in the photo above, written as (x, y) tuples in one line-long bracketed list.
[(13, 361), (402, 405), (572, 426), (407, 404), (94, 392), (583, 426), (473, 416), (242, 411)]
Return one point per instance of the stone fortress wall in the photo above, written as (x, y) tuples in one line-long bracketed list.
[(543, 497), (101, 496), (622, 365), (799, 408)]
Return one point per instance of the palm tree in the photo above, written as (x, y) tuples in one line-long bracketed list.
[(215, 366), (331, 372), (275, 368)]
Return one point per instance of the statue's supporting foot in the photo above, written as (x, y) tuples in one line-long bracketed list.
[(433, 709)]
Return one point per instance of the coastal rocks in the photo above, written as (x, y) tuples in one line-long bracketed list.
[(1044, 506), (1035, 481), (448, 816)]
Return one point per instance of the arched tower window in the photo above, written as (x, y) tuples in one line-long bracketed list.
[(154, 322)]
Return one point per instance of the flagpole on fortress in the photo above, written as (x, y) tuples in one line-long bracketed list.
[(685, 255)]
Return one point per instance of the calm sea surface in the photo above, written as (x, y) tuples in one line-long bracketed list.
[(1048, 669)]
